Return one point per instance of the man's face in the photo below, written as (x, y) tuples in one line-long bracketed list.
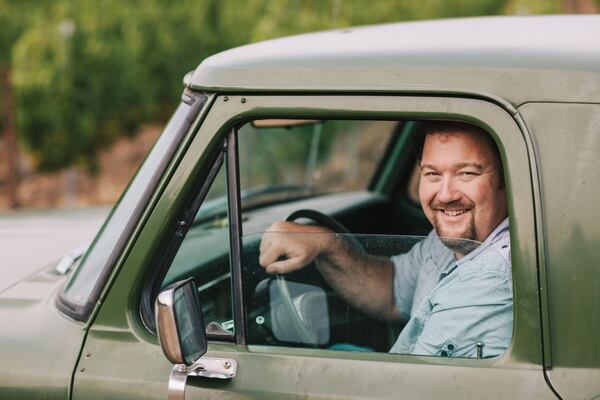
[(461, 188)]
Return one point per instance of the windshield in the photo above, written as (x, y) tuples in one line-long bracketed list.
[(77, 295)]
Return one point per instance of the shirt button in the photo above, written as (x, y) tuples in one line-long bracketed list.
[(450, 346), (444, 353)]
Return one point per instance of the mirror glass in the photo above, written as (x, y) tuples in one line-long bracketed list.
[(190, 324)]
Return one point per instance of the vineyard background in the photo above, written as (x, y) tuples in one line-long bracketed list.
[(85, 86)]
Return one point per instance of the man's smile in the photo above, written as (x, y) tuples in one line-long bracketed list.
[(454, 213)]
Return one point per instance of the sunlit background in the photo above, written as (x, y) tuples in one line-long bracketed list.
[(87, 85)]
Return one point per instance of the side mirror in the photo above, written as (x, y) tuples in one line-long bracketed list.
[(182, 336), (179, 323)]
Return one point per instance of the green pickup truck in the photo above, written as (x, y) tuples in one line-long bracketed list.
[(170, 300)]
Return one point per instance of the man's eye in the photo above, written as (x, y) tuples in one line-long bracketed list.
[(432, 176), (467, 174)]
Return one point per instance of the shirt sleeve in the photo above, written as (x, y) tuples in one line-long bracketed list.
[(406, 273), (477, 308)]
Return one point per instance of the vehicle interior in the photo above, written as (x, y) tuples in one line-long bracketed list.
[(358, 178)]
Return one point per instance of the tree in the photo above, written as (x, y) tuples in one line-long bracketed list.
[(89, 72), (84, 72), (13, 22)]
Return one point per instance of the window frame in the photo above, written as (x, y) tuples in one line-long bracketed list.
[(395, 187), (493, 117), (197, 102), (152, 286)]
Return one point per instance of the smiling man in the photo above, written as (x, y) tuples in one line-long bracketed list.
[(453, 287)]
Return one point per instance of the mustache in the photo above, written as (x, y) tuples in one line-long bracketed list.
[(451, 206)]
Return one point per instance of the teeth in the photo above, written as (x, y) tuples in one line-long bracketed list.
[(454, 213)]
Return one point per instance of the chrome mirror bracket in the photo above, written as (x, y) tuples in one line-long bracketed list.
[(216, 368), (177, 380), (207, 367)]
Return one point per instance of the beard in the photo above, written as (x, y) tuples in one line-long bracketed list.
[(462, 242)]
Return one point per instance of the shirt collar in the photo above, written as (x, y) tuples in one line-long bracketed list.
[(441, 255), (497, 234), (444, 257)]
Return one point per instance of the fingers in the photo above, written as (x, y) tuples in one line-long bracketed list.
[(270, 254), (264, 244), (273, 244), (280, 256), (285, 248), (285, 266), (270, 234)]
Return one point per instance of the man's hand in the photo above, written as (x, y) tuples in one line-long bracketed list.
[(287, 246), (364, 281)]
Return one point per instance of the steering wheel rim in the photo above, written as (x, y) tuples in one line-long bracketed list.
[(306, 334), (319, 218)]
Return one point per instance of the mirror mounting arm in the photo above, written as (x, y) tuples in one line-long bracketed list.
[(207, 367), (177, 381)]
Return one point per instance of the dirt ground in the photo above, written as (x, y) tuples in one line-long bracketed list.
[(75, 187)]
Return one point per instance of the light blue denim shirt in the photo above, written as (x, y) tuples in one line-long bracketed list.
[(452, 305)]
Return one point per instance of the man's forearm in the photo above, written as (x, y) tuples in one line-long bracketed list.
[(363, 280)]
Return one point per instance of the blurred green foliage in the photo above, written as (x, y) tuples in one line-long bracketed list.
[(86, 72)]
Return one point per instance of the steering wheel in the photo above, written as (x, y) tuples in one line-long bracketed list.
[(319, 218), (306, 334)]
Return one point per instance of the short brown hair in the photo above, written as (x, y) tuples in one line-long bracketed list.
[(426, 128)]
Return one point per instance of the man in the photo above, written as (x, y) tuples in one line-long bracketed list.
[(455, 293)]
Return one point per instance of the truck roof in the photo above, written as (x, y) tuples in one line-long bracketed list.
[(514, 59)]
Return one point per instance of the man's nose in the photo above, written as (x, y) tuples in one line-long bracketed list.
[(448, 191)]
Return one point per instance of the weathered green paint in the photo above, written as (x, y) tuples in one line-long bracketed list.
[(39, 346), (492, 67), (118, 332), (513, 59), (169, 171), (567, 139)]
